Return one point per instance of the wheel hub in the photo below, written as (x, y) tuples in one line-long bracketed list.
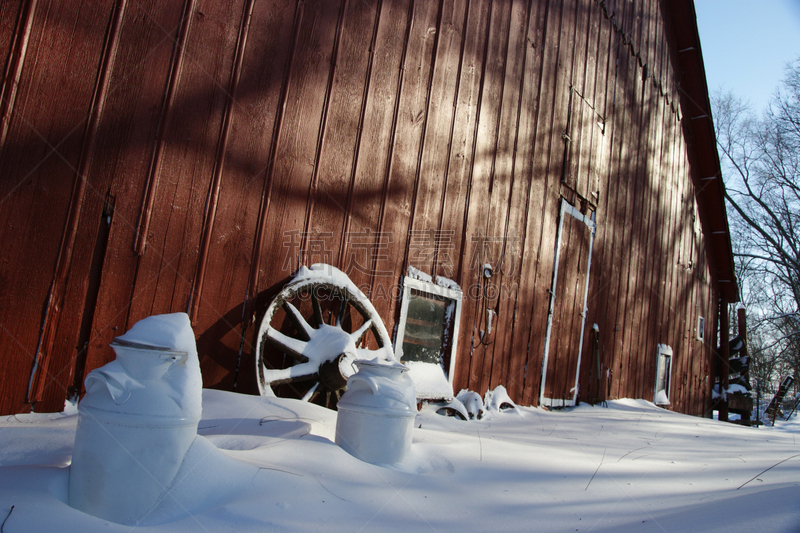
[(332, 375)]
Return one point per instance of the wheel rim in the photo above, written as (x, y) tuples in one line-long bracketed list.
[(311, 334)]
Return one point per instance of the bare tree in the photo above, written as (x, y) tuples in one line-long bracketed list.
[(760, 158)]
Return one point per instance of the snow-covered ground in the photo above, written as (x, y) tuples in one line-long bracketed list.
[(264, 464)]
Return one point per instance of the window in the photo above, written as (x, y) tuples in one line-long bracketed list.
[(663, 375), (427, 335), (701, 327)]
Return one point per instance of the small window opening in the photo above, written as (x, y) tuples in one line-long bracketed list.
[(701, 328), (663, 375), (427, 335)]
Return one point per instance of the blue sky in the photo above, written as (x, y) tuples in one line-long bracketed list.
[(747, 43)]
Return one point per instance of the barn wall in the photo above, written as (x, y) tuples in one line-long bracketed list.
[(189, 156)]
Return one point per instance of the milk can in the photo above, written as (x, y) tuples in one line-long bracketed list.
[(137, 421), (376, 414)]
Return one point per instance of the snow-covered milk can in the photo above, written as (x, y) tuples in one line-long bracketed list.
[(376, 414), (137, 421)]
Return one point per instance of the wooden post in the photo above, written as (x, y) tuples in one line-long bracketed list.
[(741, 316), (725, 354)]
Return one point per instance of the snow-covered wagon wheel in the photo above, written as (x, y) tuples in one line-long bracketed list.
[(312, 332)]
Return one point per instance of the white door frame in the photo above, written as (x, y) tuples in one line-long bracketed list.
[(566, 209)]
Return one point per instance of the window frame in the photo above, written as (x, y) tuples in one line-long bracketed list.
[(429, 287), (701, 328), (663, 350)]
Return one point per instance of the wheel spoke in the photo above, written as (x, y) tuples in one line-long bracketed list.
[(356, 336), (314, 396), (317, 309), (293, 347), (311, 392), (301, 372), (340, 314), (303, 328), (380, 353)]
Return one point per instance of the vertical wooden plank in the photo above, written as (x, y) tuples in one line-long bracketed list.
[(667, 239), (488, 118), (296, 149), (518, 221), (544, 200), (40, 150), (212, 199), (505, 213), (226, 347), (680, 359), (332, 181), (617, 194), (647, 195), (126, 140), (675, 263), (691, 311), (65, 306), (361, 244), (499, 114), (577, 92), (638, 214), (176, 65), (634, 205), (667, 191), (455, 204), (582, 127), (672, 268), (368, 246), (710, 340), (656, 253), (166, 272), (400, 184), (16, 21), (599, 183), (697, 289), (431, 179), (665, 213), (566, 65), (635, 211), (591, 110), (609, 214)]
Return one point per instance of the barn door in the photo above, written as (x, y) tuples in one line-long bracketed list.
[(567, 315)]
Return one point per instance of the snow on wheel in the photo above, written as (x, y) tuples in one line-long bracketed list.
[(312, 332)]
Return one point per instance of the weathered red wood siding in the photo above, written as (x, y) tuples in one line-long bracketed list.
[(189, 156)]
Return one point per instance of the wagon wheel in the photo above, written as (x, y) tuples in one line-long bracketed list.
[(312, 332)]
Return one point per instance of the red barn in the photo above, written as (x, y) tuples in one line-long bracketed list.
[(545, 169)]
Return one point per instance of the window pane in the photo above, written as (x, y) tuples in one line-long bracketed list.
[(424, 330), (662, 379)]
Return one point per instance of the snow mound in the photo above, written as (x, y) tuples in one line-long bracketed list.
[(447, 283), (495, 402), (429, 381), (416, 273), (498, 401), (472, 402)]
